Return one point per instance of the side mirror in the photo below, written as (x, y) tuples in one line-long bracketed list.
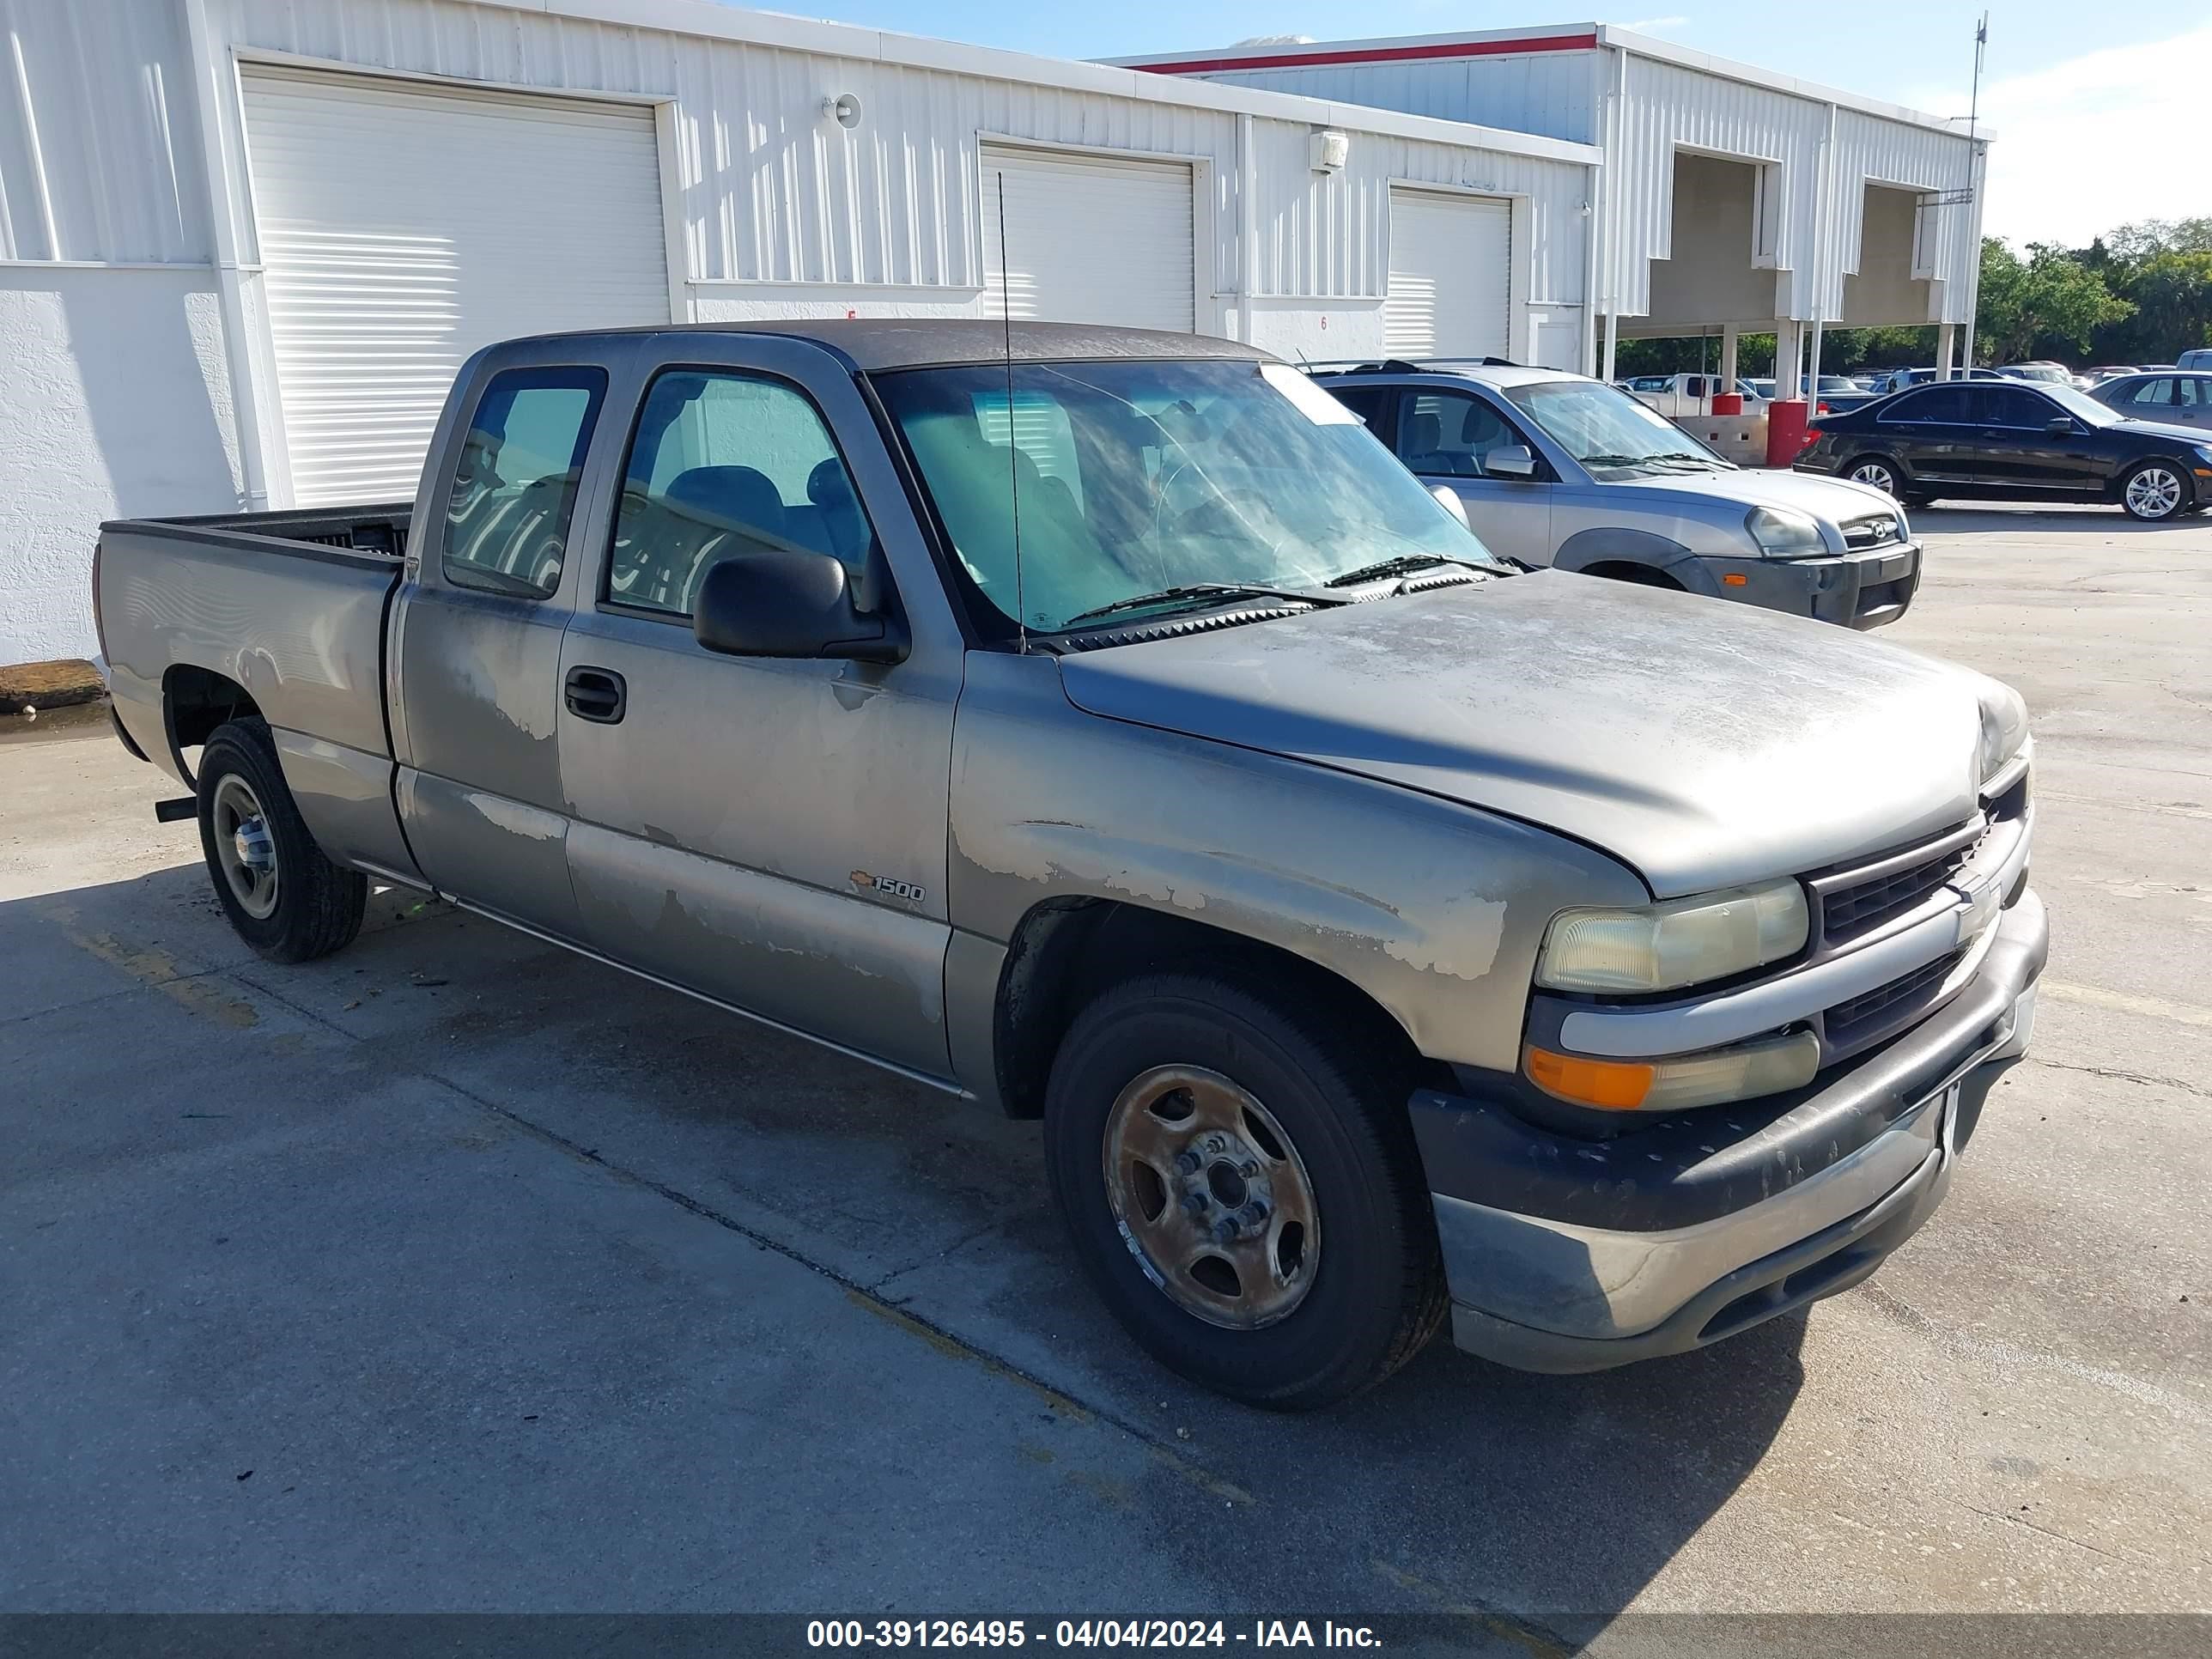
[(1452, 504), (1514, 461), (2059, 425), (788, 602)]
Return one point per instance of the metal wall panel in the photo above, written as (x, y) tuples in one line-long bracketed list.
[(1546, 92), (96, 109), (1665, 106)]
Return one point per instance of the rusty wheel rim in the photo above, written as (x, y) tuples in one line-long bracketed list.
[(1211, 1197)]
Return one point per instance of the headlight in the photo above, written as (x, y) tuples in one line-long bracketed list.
[(1743, 1072), (1783, 534), (2205, 453), (1659, 947)]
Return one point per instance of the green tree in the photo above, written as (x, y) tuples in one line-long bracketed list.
[(2053, 295)]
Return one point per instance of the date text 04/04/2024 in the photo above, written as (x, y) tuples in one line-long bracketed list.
[(1086, 1633)]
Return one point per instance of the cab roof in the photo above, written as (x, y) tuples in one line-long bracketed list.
[(895, 342)]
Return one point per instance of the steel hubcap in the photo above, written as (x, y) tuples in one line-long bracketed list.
[(248, 851), (1211, 1197), (2155, 492)]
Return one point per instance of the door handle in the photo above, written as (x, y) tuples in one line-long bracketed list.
[(596, 693)]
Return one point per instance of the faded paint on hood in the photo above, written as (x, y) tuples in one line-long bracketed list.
[(1702, 743)]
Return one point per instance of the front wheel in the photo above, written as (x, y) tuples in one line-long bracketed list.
[(1240, 1183), (282, 896), (2154, 491)]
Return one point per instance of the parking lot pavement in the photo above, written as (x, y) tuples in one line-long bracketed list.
[(456, 1272)]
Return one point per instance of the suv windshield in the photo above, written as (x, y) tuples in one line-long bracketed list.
[(1181, 481), (1608, 431)]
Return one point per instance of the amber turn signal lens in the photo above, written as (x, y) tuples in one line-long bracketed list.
[(1611, 1084), (1736, 578)]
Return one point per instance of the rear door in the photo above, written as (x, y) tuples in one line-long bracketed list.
[(1446, 437), (769, 833), (476, 654), (1929, 429), (2192, 400)]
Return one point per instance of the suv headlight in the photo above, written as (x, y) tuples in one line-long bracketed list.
[(1662, 947), (1782, 533)]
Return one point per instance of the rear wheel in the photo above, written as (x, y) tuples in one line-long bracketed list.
[(1879, 471), (283, 897), (2155, 490), (1240, 1183)]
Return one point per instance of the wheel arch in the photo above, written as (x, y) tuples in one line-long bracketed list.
[(195, 702), (1615, 551), (1064, 951)]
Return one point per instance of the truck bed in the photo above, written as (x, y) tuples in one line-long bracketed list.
[(289, 606)]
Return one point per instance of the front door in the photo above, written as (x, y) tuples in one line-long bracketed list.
[(770, 832), (477, 647), (1447, 438), (2017, 452)]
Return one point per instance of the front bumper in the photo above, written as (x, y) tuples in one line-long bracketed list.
[(1858, 590), (1573, 1256)]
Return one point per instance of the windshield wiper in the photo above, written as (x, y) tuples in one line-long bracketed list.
[(1613, 460), (1202, 591), (1403, 564), (1701, 460)]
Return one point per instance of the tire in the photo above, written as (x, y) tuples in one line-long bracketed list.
[(2154, 491), (1636, 575), (1865, 469), (306, 907), (1343, 1314), (1917, 499)]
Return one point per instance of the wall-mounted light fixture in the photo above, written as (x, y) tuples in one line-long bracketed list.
[(1329, 149)]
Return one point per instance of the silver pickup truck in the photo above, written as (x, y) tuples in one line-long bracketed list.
[(1103, 725)]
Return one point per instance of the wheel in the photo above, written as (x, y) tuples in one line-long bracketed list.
[(1917, 499), (2153, 491), (1876, 470), (286, 900), (1239, 1180)]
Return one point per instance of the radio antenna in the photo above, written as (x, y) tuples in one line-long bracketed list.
[(1013, 455)]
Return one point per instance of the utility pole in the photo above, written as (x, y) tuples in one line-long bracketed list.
[(1975, 173)]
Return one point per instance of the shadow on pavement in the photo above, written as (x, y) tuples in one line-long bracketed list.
[(1542, 1504)]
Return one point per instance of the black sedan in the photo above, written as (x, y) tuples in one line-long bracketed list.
[(2020, 440)]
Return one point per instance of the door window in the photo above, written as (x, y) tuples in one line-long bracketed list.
[(2192, 394), (2151, 394), (1451, 434), (1941, 405), (1367, 402), (514, 489), (2008, 406), (723, 466)]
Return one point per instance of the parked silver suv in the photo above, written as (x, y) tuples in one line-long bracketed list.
[(1556, 469)]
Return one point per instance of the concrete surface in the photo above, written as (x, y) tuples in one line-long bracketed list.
[(458, 1273)]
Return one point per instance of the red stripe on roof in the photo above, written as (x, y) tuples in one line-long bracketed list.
[(1378, 54)]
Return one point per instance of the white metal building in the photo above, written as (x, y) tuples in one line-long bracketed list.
[(1733, 199), (244, 244)]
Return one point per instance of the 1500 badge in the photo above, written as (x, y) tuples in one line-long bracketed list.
[(889, 887)]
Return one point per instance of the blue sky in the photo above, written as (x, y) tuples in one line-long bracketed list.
[(2075, 90)]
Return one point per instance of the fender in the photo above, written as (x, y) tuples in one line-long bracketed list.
[(1619, 544)]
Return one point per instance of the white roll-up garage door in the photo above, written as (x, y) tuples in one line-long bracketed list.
[(1090, 239), (1451, 276), (404, 227)]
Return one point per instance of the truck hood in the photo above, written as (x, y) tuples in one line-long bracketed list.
[(1704, 744), (1835, 500)]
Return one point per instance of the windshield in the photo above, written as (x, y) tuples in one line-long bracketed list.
[(1140, 478), (2040, 372), (1608, 431)]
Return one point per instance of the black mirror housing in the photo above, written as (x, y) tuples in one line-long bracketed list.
[(790, 602)]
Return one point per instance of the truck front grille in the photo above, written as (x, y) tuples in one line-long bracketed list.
[(1846, 911), (1874, 1014)]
